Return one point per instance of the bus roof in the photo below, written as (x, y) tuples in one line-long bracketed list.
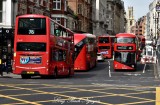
[(90, 35), (79, 37), (125, 35), (31, 15), (103, 36)]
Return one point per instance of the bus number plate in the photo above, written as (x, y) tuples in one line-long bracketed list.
[(30, 72)]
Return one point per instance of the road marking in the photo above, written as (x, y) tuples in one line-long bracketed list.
[(144, 68), (24, 101), (82, 98), (124, 95), (157, 95), (59, 95), (134, 103), (109, 66)]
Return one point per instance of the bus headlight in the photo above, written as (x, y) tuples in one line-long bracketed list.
[(132, 65)]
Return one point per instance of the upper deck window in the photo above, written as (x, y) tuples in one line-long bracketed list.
[(125, 40), (104, 40), (31, 46), (32, 26)]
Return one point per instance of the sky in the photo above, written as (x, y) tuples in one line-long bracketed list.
[(140, 7)]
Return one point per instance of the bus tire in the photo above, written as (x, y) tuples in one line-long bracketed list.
[(55, 73), (24, 76), (88, 66), (69, 73), (95, 65)]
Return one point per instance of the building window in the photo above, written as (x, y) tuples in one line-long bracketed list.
[(56, 4), (1, 2), (79, 8), (57, 19), (130, 22)]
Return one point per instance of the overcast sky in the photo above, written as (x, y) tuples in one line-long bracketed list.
[(140, 7)]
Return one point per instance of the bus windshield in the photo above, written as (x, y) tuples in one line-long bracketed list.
[(32, 26), (104, 47), (125, 40), (31, 46), (125, 57), (103, 39)]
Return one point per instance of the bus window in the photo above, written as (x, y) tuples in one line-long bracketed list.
[(61, 55), (32, 26), (125, 40), (104, 40), (124, 57), (31, 46)]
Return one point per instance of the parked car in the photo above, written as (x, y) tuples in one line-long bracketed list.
[(100, 57), (149, 55)]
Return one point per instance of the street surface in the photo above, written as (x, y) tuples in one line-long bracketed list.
[(99, 86)]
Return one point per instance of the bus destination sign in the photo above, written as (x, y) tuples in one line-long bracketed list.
[(124, 47)]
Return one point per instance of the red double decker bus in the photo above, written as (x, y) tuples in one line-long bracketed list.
[(85, 51), (125, 51), (104, 45), (142, 41), (42, 47)]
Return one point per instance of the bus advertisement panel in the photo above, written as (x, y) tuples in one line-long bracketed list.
[(104, 45), (125, 51), (42, 47), (85, 51)]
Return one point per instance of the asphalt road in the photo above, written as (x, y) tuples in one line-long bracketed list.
[(99, 86)]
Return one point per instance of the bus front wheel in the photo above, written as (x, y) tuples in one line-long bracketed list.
[(25, 76), (55, 73)]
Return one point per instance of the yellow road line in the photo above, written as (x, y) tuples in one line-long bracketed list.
[(116, 95), (61, 95), (25, 94), (15, 104), (79, 90), (24, 101), (124, 95), (134, 103), (7, 89), (157, 95)]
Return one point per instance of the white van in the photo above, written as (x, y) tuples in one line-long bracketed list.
[(149, 55)]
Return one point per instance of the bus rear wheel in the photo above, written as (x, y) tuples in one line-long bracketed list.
[(55, 73), (69, 73), (24, 76)]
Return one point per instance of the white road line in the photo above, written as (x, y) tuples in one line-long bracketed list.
[(144, 68), (109, 66)]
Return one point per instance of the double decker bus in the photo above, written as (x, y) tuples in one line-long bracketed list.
[(125, 51), (141, 42), (104, 45), (112, 41), (42, 47), (85, 51)]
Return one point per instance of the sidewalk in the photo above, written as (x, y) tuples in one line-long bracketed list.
[(9, 75)]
